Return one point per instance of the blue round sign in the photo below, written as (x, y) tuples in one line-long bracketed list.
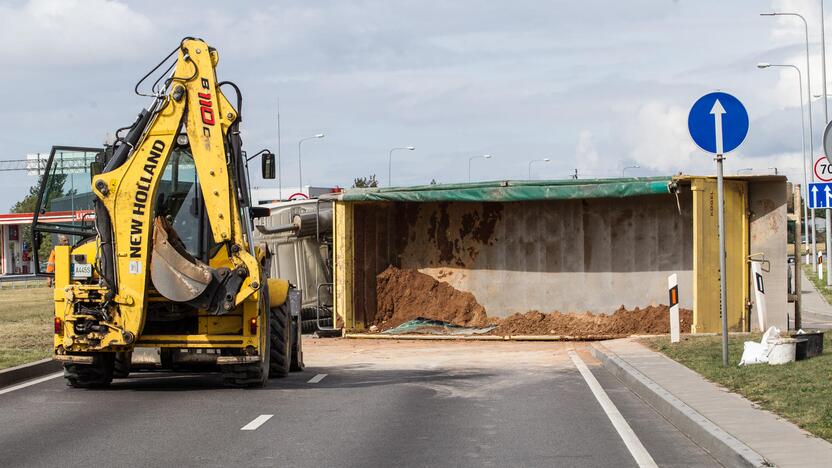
[(718, 113)]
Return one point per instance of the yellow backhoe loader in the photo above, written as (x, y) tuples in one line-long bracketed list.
[(162, 253)]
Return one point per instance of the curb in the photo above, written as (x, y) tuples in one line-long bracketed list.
[(32, 370), (379, 336), (727, 449)]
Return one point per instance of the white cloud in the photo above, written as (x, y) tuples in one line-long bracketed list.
[(658, 139), (791, 27), (586, 155), (71, 32)]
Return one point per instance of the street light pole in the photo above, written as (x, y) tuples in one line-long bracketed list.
[(803, 143), (300, 171), (811, 126), (390, 161), (279, 157), (534, 161), (629, 167), (484, 156), (826, 122)]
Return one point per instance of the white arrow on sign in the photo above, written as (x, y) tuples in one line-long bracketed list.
[(717, 110), (828, 195), (815, 194)]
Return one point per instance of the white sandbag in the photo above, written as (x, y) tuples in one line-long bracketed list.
[(757, 353), (754, 353)]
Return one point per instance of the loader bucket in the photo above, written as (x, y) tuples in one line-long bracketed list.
[(175, 273)]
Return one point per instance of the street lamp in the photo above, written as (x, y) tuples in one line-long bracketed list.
[(534, 161), (629, 167), (803, 142), (300, 172), (484, 156), (811, 131), (390, 160)]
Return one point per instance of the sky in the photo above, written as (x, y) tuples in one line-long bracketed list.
[(592, 85)]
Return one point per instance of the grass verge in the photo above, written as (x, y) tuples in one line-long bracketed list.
[(799, 391), (25, 325)]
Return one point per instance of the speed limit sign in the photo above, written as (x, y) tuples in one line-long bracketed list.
[(823, 170)]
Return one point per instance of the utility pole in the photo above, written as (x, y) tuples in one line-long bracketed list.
[(826, 122), (279, 156)]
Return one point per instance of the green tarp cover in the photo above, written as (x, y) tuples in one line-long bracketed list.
[(511, 190)]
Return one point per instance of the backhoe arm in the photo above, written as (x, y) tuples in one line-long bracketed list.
[(128, 192)]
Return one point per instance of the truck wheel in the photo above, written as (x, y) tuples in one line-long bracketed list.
[(309, 317), (281, 341), (97, 374), (297, 346), (121, 364), (166, 358), (255, 374)]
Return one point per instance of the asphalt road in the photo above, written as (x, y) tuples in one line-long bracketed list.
[(380, 404)]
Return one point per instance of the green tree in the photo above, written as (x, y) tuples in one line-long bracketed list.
[(365, 182)]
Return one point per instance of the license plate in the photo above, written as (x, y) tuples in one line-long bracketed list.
[(81, 270)]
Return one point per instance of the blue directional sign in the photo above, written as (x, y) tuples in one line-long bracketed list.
[(718, 122), (820, 195)]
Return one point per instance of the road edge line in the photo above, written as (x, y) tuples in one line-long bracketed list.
[(31, 370), (29, 383), (727, 449), (637, 450)]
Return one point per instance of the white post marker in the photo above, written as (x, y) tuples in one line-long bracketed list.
[(759, 293), (673, 300)]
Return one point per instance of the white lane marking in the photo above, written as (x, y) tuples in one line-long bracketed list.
[(257, 422), (317, 378), (637, 450), (31, 382)]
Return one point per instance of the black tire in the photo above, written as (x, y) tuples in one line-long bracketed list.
[(297, 364), (121, 364), (309, 319), (281, 342), (97, 374), (255, 374), (166, 358)]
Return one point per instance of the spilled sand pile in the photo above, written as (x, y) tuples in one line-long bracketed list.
[(405, 294)]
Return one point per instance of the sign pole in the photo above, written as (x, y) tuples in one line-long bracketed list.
[(720, 202), (718, 123), (828, 246), (718, 111)]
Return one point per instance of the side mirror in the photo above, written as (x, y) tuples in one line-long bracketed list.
[(267, 166), (95, 169)]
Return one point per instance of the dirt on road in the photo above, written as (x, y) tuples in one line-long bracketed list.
[(406, 294), (652, 320)]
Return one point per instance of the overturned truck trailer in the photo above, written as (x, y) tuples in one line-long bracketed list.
[(567, 245)]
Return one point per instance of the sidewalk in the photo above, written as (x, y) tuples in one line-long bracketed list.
[(728, 422), (817, 313)]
